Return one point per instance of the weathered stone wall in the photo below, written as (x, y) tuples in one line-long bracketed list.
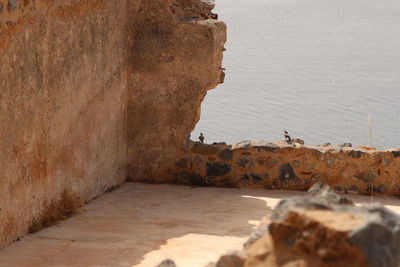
[(62, 108), (71, 73), (173, 61), (281, 166)]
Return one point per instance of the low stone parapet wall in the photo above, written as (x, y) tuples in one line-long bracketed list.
[(360, 170)]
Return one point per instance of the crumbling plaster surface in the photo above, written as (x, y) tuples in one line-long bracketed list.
[(71, 72)]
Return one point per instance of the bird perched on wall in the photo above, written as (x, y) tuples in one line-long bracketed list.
[(201, 138), (287, 137)]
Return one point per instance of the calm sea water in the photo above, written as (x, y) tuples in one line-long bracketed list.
[(316, 68)]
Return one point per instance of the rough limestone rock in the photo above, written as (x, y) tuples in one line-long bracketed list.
[(319, 195), (93, 92), (174, 58), (324, 229), (234, 259)]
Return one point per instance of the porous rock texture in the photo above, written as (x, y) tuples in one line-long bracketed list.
[(322, 229), (278, 165), (88, 88), (173, 61)]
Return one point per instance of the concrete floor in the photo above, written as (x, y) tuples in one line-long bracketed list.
[(141, 225)]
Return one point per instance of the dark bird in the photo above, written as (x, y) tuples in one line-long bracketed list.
[(201, 138), (287, 137)]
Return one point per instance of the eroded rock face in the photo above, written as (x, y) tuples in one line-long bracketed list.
[(91, 87), (324, 229), (175, 56)]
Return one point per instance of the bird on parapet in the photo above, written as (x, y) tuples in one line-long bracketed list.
[(201, 138), (287, 137)]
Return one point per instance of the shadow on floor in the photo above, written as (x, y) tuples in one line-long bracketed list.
[(126, 227), (141, 225)]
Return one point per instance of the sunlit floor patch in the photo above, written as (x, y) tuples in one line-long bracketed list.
[(192, 250), (142, 224)]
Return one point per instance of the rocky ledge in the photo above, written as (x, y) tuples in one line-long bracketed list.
[(321, 229)]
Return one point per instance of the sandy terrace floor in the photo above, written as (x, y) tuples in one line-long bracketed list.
[(141, 225)]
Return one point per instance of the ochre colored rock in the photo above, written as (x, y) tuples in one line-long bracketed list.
[(226, 154), (308, 238), (235, 259), (323, 229), (205, 149), (297, 167), (175, 56), (93, 92)]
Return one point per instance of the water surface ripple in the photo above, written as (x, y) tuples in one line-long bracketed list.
[(316, 68)]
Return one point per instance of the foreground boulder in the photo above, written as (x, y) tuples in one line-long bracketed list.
[(324, 229), (167, 263)]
